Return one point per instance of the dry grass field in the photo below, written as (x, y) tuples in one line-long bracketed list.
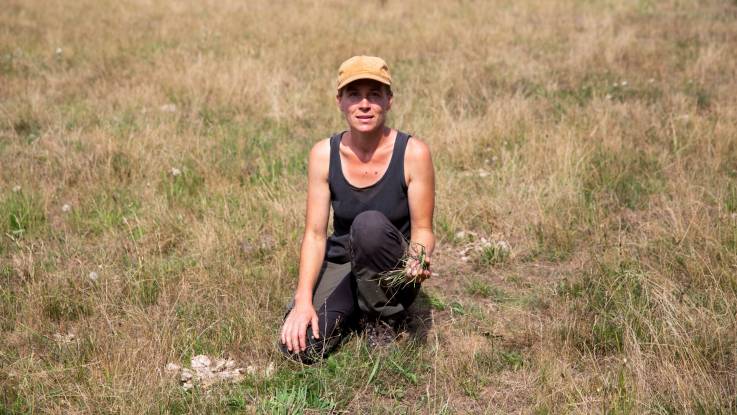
[(152, 196)]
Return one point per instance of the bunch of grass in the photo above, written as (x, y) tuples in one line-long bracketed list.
[(401, 277)]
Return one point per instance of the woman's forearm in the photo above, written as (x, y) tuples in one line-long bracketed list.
[(310, 262), (424, 237)]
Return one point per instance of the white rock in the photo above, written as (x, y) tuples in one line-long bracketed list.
[(93, 276), (175, 172), (16, 189), (186, 375), (200, 361), (219, 365), (66, 207), (58, 51), (206, 372)]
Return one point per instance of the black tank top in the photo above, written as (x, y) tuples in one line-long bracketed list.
[(388, 196)]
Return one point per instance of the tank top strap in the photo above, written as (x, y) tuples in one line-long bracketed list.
[(397, 168), (334, 164)]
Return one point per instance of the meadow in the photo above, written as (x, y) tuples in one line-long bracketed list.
[(152, 191)]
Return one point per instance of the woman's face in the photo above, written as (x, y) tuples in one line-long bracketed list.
[(364, 104)]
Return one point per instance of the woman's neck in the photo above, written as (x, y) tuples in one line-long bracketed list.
[(365, 144)]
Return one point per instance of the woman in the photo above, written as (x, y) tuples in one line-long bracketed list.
[(380, 183)]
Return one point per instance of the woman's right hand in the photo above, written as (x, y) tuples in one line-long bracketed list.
[(294, 330)]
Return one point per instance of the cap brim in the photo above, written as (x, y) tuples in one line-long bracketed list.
[(363, 76)]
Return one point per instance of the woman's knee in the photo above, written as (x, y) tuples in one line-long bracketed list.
[(370, 231)]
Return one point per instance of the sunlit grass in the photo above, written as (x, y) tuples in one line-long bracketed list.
[(153, 184)]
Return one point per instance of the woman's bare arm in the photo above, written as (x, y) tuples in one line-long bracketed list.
[(420, 176), (312, 252)]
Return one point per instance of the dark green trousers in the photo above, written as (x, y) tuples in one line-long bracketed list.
[(347, 291)]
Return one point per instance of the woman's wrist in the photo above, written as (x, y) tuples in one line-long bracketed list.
[(302, 297)]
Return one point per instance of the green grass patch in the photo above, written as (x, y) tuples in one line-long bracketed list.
[(498, 359), (27, 129), (553, 241), (619, 393), (104, 210), (75, 354), (331, 385), (124, 123), (122, 166), (700, 94), (580, 93), (295, 399), (65, 302), (456, 308), (621, 179), (480, 288), (11, 401), (147, 280), (609, 302), (202, 330), (435, 301), (496, 253), (183, 187), (79, 115), (8, 308), (730, 197), (22, 213)]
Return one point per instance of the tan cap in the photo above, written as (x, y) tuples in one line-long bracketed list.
[(363, 67)]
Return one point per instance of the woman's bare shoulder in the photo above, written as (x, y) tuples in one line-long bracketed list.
[(417, 151), (319, 160), (321, 150)]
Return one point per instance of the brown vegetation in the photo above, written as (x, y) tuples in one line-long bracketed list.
[(152, 189)]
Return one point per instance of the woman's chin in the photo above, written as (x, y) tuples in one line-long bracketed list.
[(365, 128)]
